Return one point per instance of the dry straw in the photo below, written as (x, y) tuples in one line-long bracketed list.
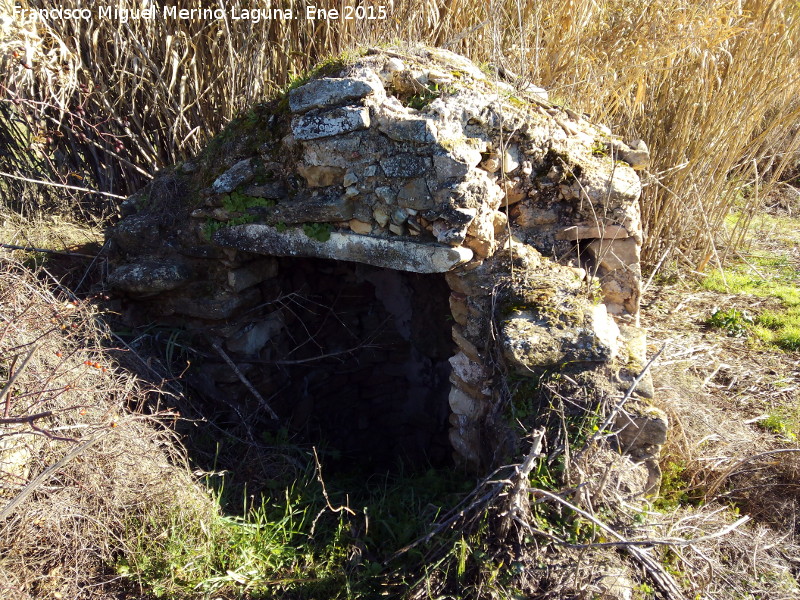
[(81, 477), (712, 87)]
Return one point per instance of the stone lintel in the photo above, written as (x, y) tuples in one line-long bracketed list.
[(401, 255)]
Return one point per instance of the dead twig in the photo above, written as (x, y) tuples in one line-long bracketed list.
[(329, 506), (61, 185), (661, 577), (9, 508), (48, 251), (245, 381), (517, 502)]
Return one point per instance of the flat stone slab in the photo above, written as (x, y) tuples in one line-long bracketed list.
[(327, 91), (333, 122), (400, 255)]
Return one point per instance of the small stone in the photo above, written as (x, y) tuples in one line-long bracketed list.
[(515, 192), (491, 164), (399, 216), (317, 176), (351, 192), (394, 65), (361, 227), (350, 178), (415, 195), (468, 371), (511, 159), (464, 404), (466, 446), (380, 216), (396, 229), (458, 308), (467, 347), (482, 247), (240, 173), (386, 194), (500, 221)]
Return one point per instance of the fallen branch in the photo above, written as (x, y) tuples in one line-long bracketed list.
[(48, 251), (42, 478), (60, 185), (245, 381), (661, 577)]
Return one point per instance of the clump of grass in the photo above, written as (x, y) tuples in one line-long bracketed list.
[(764, 275), (784, 422), (733, 321)]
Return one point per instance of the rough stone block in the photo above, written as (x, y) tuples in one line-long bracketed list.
[(329, 123), (400, 255), (328, 91), (238, 174), (462, 403), (253, 337), (470, 372), (613, 254), (361, 227), (404, 165), (252, 274), (150, 277)]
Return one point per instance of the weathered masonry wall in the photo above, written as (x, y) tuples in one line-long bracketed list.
[(411, 162)]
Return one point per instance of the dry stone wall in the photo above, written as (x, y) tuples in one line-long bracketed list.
[(413, 161)]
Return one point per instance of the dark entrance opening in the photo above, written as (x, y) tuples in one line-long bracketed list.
[(362, 368)]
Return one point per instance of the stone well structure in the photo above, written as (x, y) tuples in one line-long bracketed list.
[(382, 248)]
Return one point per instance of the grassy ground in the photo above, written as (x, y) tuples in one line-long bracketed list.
[(728, 379)]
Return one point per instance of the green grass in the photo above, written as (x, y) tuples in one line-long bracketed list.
[(293, 544), (784, 422), (767, 276)]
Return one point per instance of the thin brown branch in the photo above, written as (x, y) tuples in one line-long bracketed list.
[(28, 419), (245, 381), (48, 251)]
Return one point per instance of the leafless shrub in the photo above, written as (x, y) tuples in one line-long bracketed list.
[(80, 475)]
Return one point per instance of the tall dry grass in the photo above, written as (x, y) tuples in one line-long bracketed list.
[(711, 86), (82, 476)]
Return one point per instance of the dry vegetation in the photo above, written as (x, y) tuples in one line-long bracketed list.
[(82, 473), (712, 87)]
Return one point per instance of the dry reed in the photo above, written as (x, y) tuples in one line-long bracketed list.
[(711, 87)]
